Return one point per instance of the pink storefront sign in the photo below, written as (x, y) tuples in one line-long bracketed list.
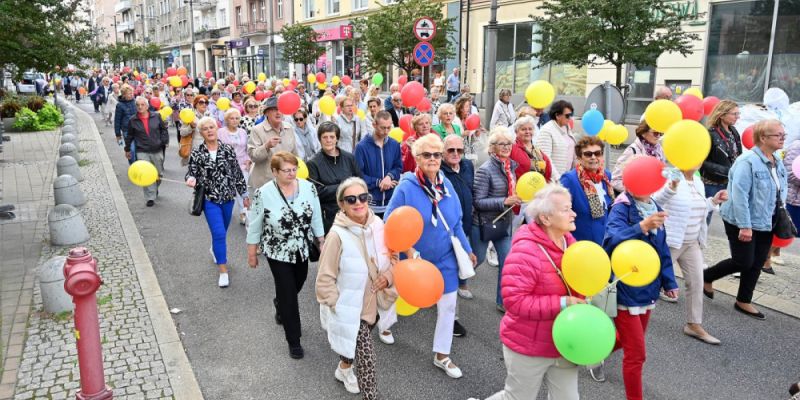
[(339, 33)]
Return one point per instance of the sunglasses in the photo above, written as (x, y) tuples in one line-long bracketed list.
[(252, 106), (455, 150), (426, 155), (202, 102), (568, 115), (299, 119), (589, 154), (362, 198)]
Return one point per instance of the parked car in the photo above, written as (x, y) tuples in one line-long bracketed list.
[(28, 83)]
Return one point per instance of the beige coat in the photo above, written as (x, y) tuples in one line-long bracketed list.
[(260, 172)]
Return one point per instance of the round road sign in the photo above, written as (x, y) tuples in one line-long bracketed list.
[(424, 29)]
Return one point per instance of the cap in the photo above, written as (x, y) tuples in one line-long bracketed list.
[(271, 102)]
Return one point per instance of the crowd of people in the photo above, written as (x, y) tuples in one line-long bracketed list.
[(247, 158)]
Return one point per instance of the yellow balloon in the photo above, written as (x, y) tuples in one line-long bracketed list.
[(286, 81), (661, 114), (694, 92), (262, 77), (540, 94), (302, 169), (322, 86), (361, 114), (397, 134), (617, 135), (165, 112), (223, 103), (403, 308), (686, 144), (528, 184), (335, 80), (635, 263), (249, 87), (327, 105), (187, 116), (175, 81), (586, 267), (607, 126), (311, 78), (142, 173)]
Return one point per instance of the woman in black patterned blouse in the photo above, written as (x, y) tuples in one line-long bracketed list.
[(213, 164)]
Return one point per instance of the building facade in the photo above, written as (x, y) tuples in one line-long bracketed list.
[(256, 45)]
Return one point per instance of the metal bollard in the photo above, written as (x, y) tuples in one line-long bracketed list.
[(82, 282)]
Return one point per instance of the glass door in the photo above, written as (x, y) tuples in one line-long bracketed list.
[(642, 86)]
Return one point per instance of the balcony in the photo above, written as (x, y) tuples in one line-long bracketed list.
[(122, 5), (210, 35), (202, 5), (253, 28), (125, 26)]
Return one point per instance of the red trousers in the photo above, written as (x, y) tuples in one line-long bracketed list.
[(630, 338)]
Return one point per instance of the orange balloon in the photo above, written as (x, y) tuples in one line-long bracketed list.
[(182, 71), (403, 228), (418, 282)]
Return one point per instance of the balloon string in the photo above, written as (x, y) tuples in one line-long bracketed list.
[(494, 221), (615, 281)]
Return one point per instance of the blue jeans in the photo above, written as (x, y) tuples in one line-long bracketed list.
[(218, 217), (502, 246), (712, 190)]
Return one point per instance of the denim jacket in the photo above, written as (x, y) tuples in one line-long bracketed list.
[(752, 192)]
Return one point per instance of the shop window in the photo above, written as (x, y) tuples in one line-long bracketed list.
[(785, 72)]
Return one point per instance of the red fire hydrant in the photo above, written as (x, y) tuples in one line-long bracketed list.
[(81, 282)]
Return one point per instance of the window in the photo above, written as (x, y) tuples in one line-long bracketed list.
[(238, 16), (253, 12), (333, 7), (786, 54), (310, 8), (223, 18), (279, 9), (262, 11), (359, 4)]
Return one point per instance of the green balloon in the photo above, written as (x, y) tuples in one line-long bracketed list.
[(377, 79), (584, 334)]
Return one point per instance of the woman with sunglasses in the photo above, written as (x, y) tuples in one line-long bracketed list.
[(726, 146), (285, 219), (590, 187), (307, 143), (556, 139), (428, 191), (200, 108), (234, 136), (527, 156), (250, 115), (646, 143), (354, 285)]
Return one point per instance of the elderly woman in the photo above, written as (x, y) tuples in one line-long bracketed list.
[(646, 143), (556, 139), (352, 128), (234, 136), (446, 114), (214, 165), (248, 121), (422, 126), (328, 168), (123, 112), (200, 108), (535, 294), (354, 271), (236, 102), (637, 218), (527, 156), (726, 146), (305, 135), (591, 190), (503, 113), (494, 194), (285, 219), (427, 190), (111, 105), (757, 187)]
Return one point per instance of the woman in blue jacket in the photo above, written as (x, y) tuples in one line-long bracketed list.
[(429, 192), (638, 218), (590, 186)]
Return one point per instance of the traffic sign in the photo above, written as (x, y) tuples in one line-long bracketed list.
[(424, 29), (423, 54)]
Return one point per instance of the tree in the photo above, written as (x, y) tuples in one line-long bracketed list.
[(598, 32), (300, 44), (121, 52), (42, 34), (388, 37)]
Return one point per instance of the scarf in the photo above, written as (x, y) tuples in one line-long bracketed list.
[(305, 141), (646, 210), (510, 181), (537, 159), (434, 190), (652, 150), (588, 180)]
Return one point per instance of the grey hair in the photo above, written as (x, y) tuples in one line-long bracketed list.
[(346, 184), (504, 92), (231, 111), (542, 203), (206, 121), (429, 140), (497, 133), (525, 120)]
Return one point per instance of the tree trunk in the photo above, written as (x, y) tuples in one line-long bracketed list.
[(618, 66)]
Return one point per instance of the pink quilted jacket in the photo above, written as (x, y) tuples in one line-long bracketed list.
[(532, 293)]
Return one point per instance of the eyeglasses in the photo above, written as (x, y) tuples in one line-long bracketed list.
[(299, 119), (396, 100), (202, 102), (657, 134), (589, 154), (735, 113), (502, 144), (780, 135), (426, 155), (455, 150), (362, 198), (252, 106), (567, 115), (289, 171)]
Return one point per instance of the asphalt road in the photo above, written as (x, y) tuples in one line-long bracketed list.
[(238, 352)]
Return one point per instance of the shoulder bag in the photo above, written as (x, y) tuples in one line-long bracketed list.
[(313, 249), (495, 229), (185, 146), (465, 268), (198, 200), (782, 225)]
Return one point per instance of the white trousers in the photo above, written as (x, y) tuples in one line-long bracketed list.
[(445, 318), (525, 374)]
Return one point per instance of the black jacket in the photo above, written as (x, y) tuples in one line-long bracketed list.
[(722, 155), (156, 141), (326, 173), (463, 183), (122, 116)]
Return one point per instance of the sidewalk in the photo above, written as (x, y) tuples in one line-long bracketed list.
[(143, 355)]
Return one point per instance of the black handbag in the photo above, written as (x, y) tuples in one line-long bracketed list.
[(199, 200), (495, 229), (782, 224)]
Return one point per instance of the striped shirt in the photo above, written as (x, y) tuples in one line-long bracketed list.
[(697, 215)]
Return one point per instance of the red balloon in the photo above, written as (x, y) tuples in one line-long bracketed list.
[(293, 82), (691, 107), (260, 95), (412, 93), (642, 176), (290, 87), (424, 105), (402, 80), (747, 138), (405, 123), (236, 83), (126, 70), (781, 243), (320, 77), (709, 103), (347, 80), (115, 78), (155, 102), (171, 71), (209, 74), (288, 103), (472, 122), (269, 93), (164, 80), (184, 80)]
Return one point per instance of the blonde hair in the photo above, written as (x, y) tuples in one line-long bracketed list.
[(232, 111), (427, 141), (763, 128), (418, 119), (444, 108), (722, 108)]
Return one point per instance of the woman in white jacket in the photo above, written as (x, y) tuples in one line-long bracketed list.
[(354, 286), (683, 198), (556, 138)]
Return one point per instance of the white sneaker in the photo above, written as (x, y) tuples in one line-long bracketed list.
[(213, 257), (491, 256), (448, 366), (465, 293), (223, 280), (347, 377), (387, 339)]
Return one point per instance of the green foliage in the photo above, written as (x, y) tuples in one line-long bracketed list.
[(388, 37), (10, 106), (300, 44), (48, 118), (35, 103), (598, 32), (27, 120), (122, 52)]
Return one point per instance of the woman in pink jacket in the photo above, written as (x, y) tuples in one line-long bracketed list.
[(534, 294)]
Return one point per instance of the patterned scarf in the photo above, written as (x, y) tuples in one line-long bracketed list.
[(537, 160), (435, 191), (651, 149), (588, 179), (510, 180)]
